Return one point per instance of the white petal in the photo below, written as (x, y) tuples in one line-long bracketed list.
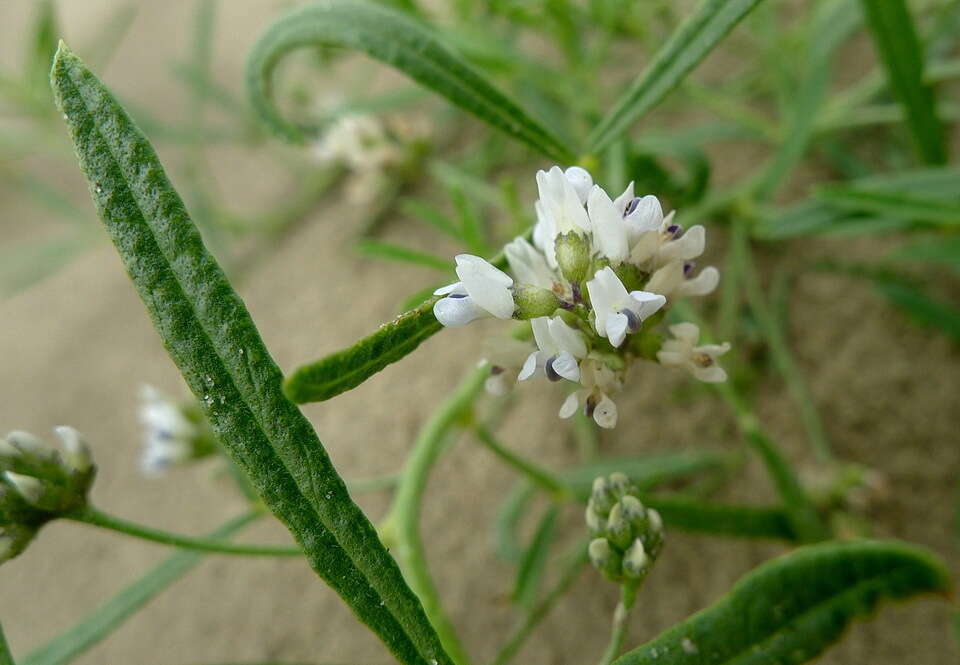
[(457, 312), (76, 452), (686, 332), (600, 302), (570, 405), (621, 201), (456, 287), (711, 374), (541, 334), (647, 216), (581, 180), (666, 279), (672, 358), (609, 231), (713, 350), (700, 285), (488, 286), (531, 366), (648, 304), (566, 366), (567, 339), (605, 414), (688, 246), (496, 384), (616, 325), (645, 247), (528, 265)]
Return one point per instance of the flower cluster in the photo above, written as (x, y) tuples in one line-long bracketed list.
[(39, 484), (173, 433), (627, 538), (593, 283)]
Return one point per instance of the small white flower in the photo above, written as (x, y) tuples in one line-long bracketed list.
[(675, 280), (609, 227), (483, 290), (359, 141), (669, 243), (701, 361), (168, 435), (506, 356), (528, 265), (560, 207), (599, 382), (560, 350), (616, 311)]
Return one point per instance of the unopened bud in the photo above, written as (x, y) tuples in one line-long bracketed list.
[(14, 538), (603, 496), (620, 484), (604, 558), (76, 453), (619, 531), (596, 523), (636, 563), (533, 301), (29, 488), (573, 256)]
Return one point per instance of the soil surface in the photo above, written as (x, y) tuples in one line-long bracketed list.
[(76, 347)]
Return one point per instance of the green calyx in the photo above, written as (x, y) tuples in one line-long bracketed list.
[(533, 301), (627, 536), (573, 256)]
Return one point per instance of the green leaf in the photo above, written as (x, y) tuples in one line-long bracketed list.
[(210, 336), (6, 658), (896, 40), (396, 40), (92, 629), (723, 519), (894, 205), (690, 44), (939, 249), (42, 46), (919, 306), (530, 571), (390, 251), (791, 609), (341, 371)]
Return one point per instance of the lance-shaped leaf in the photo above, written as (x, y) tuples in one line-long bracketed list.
[(350, 367), (791, 609), (396, 40), (213, 341), (896, 39), (690, 44)]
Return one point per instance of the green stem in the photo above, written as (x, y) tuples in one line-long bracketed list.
[(533, 618), (401, 528), (95, 517), (6, 658), (783, 359), (628, 596), (537, 475)]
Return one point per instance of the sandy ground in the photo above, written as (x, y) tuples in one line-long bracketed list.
[(76, 347)]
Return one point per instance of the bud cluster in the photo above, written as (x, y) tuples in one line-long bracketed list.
[(627, 538), (38, 484)]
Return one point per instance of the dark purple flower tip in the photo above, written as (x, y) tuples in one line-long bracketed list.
[(631, 206), (633, 321), (495, 369), (675, 230), (457, 295), (688, 268), (550, 371), (590, 406)]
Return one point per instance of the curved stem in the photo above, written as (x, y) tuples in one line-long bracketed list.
[(401, 528), (628, 595), (95, 517), (536, 474)]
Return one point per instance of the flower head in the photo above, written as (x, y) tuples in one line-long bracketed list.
[(596, 273)]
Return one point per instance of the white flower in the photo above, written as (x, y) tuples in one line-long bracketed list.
[(618, 312), (528, 265), (483, 290), (598, 382), (506, 356), (359, 141), (168, 436), (560, 349), (560, 207), (701, 361), (669, 243), (675, 280)]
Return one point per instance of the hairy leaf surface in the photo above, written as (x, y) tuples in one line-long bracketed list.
[(210, 336)]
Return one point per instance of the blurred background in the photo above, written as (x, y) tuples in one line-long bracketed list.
[(315, 244)]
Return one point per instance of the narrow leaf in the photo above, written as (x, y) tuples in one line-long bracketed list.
[(393, 252), (215, 344), (896, 40), (941, 250), (690, 44), (396, 40), (723, 519), (793, 608), (530, 571), (919, 306), (96, 626), (895, 205), (347, 369), (6, 658)]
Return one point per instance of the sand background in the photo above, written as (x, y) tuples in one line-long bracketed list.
[(75, 348)]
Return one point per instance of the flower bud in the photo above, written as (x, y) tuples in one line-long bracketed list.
[(636, 563), (533, 301), (619, 529), (76, 452), (604, 558), (603, 496), (596, 523), (573, 256), (14, 538)]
